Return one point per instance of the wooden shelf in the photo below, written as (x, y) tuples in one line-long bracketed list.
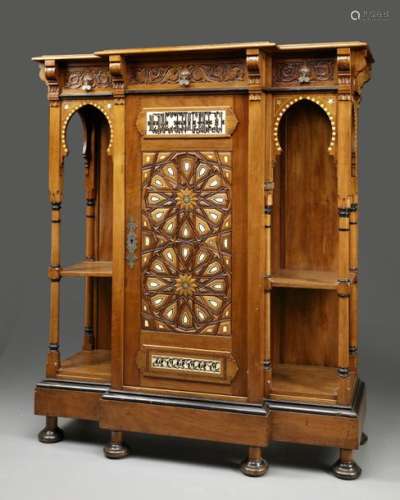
[(87, 365), (315, 384), (287, 278), (89, 268)]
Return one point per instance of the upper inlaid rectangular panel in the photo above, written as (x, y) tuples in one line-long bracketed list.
[(219, 121)]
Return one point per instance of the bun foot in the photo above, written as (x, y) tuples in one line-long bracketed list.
[(116, 449), (345, 467), (364, 438), (255, 465), (51, 433)]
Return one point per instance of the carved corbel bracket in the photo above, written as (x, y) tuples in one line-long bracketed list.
[(49, 74), (362, 70), (255, 65), (343, 62), (118, 73)]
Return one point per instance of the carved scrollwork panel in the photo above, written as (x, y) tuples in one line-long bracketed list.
[(186, 242), (290, 72), (186, 74), (87, 78)]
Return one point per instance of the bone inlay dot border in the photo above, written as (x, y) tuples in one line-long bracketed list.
[(315, 100), (71, 113)]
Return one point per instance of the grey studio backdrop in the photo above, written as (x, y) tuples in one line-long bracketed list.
[(166, 467)]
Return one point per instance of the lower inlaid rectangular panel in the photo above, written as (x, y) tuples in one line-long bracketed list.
[(188, 364)]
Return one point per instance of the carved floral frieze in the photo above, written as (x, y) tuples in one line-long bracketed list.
[(220, 72), (303, 71), (87, 78)]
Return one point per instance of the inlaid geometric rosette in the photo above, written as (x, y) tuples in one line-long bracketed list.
[(186, 242)]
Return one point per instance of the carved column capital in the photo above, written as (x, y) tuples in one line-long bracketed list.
[(50, 75), (118, 73), (343, 62), (255, 66)]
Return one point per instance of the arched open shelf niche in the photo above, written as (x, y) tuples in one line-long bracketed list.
[(305, 196), (304, 258), (93, 362)]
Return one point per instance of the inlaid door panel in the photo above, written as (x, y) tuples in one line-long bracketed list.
[(186, 242), (188, 272)]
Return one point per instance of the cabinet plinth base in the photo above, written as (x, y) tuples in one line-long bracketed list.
[(251, 425)]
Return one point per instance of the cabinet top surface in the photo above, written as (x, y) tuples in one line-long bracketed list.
[(206, 49)]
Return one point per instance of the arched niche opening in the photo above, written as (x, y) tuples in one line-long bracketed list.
[(87, 231), (305, 202), (304, 243)]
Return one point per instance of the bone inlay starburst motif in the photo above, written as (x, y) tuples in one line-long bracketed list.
[(186, 242), (186, 199), (185, 285)]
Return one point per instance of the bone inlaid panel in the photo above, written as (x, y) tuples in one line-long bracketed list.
[(186, 242)]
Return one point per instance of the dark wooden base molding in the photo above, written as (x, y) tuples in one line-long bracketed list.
[(188, 418)]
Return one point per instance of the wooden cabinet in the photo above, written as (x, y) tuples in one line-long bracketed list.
[(220, 263)]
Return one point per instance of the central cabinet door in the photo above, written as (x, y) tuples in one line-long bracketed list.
[(186, 252)]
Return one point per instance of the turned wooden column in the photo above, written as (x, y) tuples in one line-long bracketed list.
[(118, 73), (256, 256), (55, 195), (268, 206), (353, 347), (89, 155), (344, 148)]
